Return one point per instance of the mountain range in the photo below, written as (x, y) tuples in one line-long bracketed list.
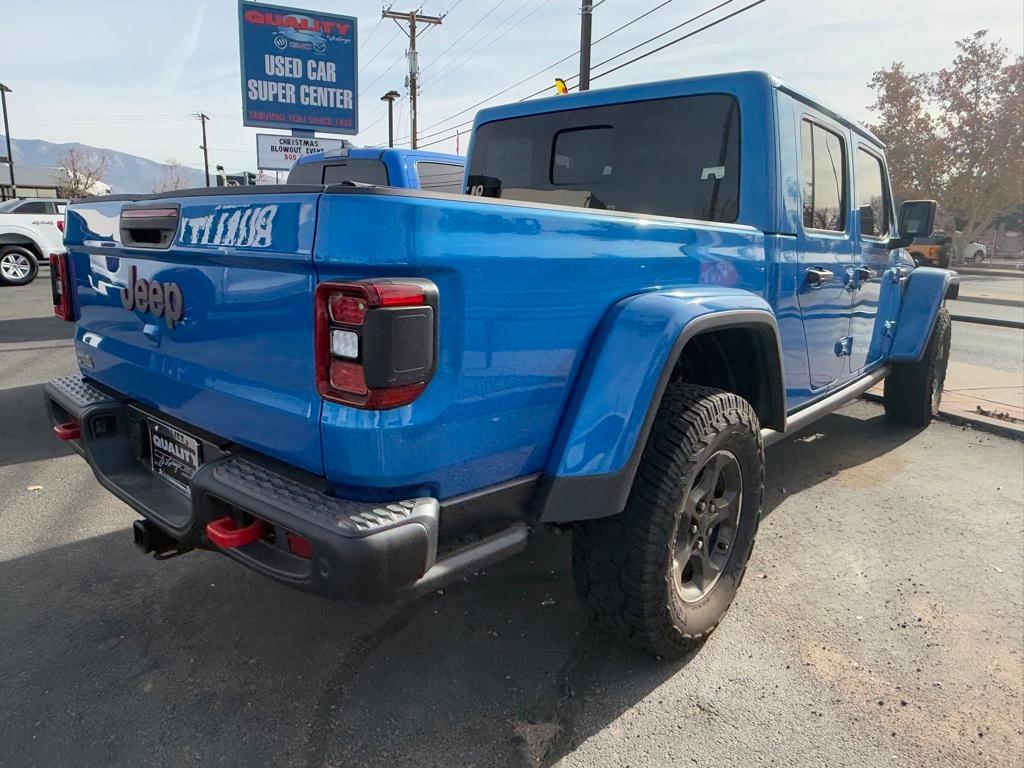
[(125, 173)]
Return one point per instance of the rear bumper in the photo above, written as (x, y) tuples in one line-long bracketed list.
[(358, 550)]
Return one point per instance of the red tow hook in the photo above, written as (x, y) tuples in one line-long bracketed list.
[(226, 535), (67, 431)]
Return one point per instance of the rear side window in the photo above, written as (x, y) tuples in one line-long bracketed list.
[(822, 177), (672, 157), (440, 177), (36, 206), (872, 200), (361, 171)]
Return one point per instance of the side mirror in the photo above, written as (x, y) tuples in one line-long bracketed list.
[(916, 219)]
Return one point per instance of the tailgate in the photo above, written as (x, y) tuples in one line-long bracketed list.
[(201, 306)]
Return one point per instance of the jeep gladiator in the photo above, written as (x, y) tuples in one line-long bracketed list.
[(366, 392)]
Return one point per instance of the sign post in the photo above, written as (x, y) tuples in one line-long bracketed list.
[(299, 69)]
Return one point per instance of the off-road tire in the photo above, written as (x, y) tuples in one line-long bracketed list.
[(21, 258), (623, 565), (913, 391)]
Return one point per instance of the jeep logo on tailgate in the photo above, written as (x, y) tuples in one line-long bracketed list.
[(156, 298)]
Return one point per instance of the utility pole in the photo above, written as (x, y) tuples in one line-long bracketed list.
[(586, 20), (412, 18), (202, 117), (4, 90), (390, 97)]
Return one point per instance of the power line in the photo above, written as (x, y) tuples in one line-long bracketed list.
[(378, 78), (463, 35), (649, 40), (679, 39), (627, 63), (373, 31), (545, 69), (499, 32), (382, 49)]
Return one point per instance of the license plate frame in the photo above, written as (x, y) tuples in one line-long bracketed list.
[(174, 455)]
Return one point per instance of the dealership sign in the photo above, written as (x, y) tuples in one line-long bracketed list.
[(275, 152), (298, 69)]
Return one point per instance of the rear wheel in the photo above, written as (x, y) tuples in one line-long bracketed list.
[(662, 573), (18, 265), (913, 391)]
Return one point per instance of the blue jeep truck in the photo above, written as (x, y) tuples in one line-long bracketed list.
[(409, 168), (365, 392)]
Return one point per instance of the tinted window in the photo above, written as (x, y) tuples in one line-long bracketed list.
[(359, 171), (823, 178), (872, 202), (440, 177), (36, 206), (671, 157)]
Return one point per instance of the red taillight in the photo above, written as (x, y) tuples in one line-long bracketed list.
[(60, 224), (397, 294), (60, 286), (375, 341), (348, 377)]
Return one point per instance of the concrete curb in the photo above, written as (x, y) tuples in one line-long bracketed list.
[(989, 272), (964, 420), (987, 321), (985, 300)]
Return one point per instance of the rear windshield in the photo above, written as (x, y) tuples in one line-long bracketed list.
[(672, 157), (340, 170)]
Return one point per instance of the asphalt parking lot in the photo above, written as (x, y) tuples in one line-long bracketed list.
[(881, 623)]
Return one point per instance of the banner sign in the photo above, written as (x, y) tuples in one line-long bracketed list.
[(275, 152), (298, 69)]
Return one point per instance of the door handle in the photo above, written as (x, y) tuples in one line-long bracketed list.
[(864, 274), (817, 276)]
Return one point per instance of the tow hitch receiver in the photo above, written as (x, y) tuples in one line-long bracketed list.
[(226, 535), (151, 540)]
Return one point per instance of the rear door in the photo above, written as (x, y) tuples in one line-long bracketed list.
[(201, 307), (877, 295), (825, 248)]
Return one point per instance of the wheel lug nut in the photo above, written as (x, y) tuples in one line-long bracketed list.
[(700, 543), (693, 529), (723, 546)]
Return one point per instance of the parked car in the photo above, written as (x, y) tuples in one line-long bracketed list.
[(644, 287), (935, 250), (974, 253), (30, 230)]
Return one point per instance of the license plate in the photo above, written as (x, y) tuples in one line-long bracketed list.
[(174, 455)]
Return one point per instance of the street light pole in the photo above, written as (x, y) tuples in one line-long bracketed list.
[(390, 97), (4, 90)]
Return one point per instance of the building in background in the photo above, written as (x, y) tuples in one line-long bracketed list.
[(32, 182)]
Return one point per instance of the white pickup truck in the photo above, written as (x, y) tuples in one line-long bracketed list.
[(30, 230)]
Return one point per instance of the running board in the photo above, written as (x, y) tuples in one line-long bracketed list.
[(825, 406)]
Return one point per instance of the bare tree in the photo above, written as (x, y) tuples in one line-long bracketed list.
[(82, 172), (957, 134), (172, 177)]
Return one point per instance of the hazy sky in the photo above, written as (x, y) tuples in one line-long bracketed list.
[(127, 74)]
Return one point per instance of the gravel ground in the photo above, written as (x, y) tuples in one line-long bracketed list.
[(881, 624)]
